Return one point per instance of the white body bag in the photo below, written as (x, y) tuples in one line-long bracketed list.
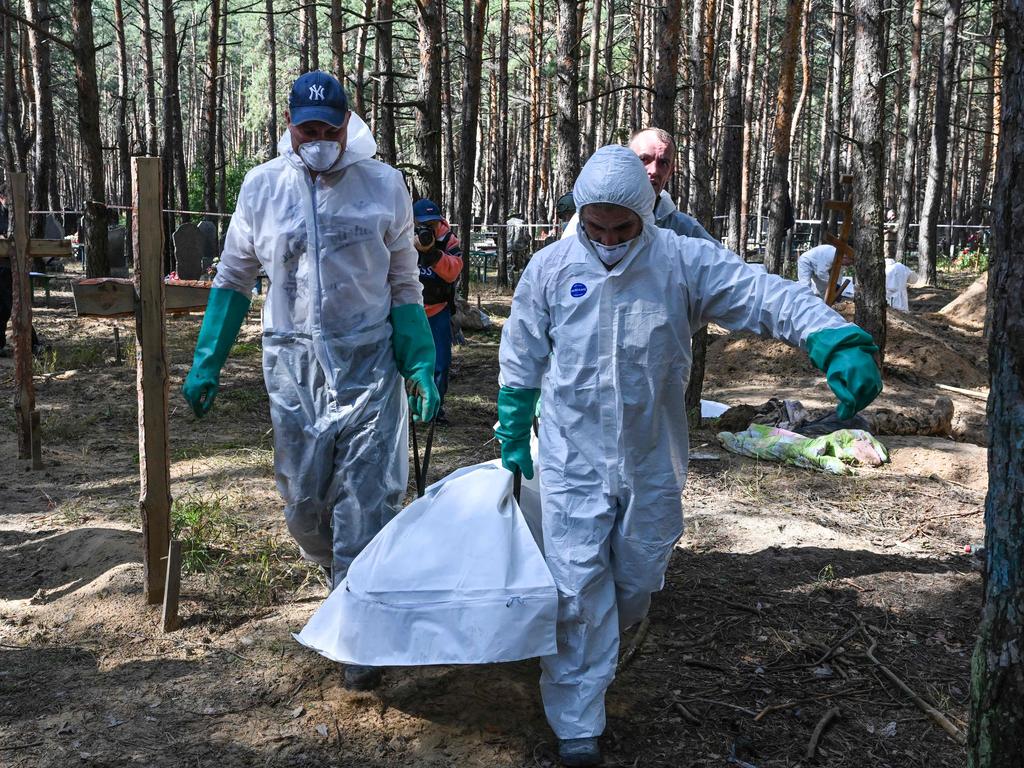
[(455, 578)]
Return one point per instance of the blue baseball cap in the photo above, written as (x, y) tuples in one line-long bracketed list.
[(426, 210), (318, 96)]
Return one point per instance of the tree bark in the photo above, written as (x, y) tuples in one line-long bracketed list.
[(386, 140), (928, 232), (503, 180), (45, 150), (731, 154), (210, 103), (428, 110), (474, 15), (699, 200), (665, 77), (906, 199), (123, 150), (869, 169), (95, 223), (748, 125), (567, 151), (152, 142), (338, 40), (272, 129), (996, 735), (313, 35), (592, 101), (779, 183)]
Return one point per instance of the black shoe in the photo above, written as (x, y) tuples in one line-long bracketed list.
[(579, 752), (360, 678)]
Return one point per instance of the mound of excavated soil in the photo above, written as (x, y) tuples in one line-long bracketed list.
[(968, 309), (920, 346)]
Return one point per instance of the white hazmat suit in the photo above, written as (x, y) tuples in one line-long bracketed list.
[(611, 349), (339, 255)]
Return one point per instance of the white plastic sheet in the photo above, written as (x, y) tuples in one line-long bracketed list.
[(455, 578)]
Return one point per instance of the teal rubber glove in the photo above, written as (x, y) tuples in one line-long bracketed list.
[(415, 355), (846, 355), (225, 313), (515, 418)]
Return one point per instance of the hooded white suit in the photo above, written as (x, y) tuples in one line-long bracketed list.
[(611, 349), (339, 255)]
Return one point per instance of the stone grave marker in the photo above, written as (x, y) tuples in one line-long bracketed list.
[(188, 252)]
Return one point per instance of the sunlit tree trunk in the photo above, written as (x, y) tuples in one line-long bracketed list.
[(567, 148), (996, 735), (906, 198), (868, 169), (928, 233)]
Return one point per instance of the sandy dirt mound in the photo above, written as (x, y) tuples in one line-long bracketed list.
[(960, 463), (968, 309)]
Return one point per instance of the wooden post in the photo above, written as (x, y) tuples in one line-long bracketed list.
[(842, 243), (21, 320), (151, 373), (172, 589)]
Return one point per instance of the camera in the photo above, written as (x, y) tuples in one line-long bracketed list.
[(424, 236)]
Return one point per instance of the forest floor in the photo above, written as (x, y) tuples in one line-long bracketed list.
[(782, 583)]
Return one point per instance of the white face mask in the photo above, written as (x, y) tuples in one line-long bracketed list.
[(320, 155), (612, 254)]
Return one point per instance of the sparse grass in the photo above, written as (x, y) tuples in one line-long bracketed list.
[(245, 349), (243, 399), (825, 576), (250, 566), (198, 524), (59, 427)]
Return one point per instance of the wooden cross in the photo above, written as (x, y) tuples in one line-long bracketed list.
[(841, 243)]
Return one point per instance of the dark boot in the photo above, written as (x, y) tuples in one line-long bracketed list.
[(360, 678), (579, 752)]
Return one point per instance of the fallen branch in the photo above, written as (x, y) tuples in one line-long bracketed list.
[(955, 733), (634, 645), (965, 392), (684, 713), (828, 717)]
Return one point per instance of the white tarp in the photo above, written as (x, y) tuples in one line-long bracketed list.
[(455, 578)]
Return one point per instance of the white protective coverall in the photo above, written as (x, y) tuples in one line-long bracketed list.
[(339, 254), (814, 267), (611, 349), (897, 276)]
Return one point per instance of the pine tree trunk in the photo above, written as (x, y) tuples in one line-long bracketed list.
[(209, 138), (364, 31), (906, 200), (779, 183), (449, 133), (731, 154), (428, 110), (387, 143), (338, 40), (567, 150), (592, 101), (123, 150), (996, 735), (665, 77), (869, 169), (313, 35), (748, 126), (699, 198), (12, 111), (928, 232), (503, 180), (95, 224), (152, 141), (474, 15), (45, 150), (272, 129)]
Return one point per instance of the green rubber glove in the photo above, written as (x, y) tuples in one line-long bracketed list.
[(846, 355), (415, 355), (225, 312), (515, 418)]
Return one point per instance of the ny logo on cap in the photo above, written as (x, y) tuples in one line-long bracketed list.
[(316, 93)]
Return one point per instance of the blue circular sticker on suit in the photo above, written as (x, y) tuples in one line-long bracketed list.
[(577, 290)]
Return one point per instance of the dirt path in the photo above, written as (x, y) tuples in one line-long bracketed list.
[(777, 567)]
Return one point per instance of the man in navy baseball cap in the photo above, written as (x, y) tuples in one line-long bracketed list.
[(318, 117)]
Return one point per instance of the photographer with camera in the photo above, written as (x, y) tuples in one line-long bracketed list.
[(440, 260)]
